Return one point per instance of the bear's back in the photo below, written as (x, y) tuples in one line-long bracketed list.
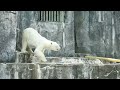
[(30, 31), (33, 37)]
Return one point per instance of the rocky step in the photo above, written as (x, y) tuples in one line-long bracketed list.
[(59, 71), (59, 68), (29, 58)]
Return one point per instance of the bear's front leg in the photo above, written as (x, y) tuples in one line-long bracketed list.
[(30, 50), (40, 56)]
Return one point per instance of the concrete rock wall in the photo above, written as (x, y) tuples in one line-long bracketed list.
[(8, 24), (88, 32), (97, 33)]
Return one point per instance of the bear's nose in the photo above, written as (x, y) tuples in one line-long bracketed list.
[(58, 48)]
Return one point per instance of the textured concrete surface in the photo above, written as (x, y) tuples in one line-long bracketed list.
[(59, 68), (7, 35)]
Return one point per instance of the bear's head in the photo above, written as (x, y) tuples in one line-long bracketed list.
[(54, 46)]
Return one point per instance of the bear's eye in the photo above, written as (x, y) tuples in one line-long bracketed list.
[(51, 43)]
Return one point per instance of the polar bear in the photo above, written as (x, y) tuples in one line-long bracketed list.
[(32, 39)]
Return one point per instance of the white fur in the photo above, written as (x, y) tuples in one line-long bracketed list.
[(32, 39)]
